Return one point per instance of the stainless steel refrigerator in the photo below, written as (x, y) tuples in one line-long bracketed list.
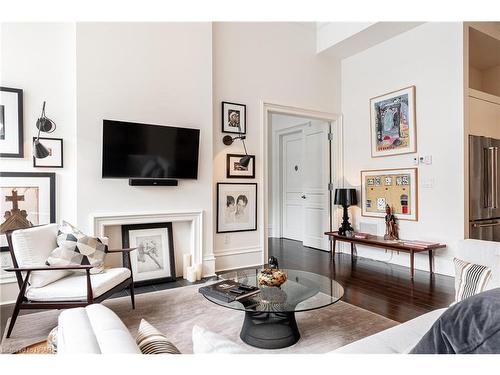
[(484, 188)]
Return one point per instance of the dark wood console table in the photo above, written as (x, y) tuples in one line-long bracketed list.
[(378, 241)]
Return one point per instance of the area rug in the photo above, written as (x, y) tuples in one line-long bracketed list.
[(175, 311)]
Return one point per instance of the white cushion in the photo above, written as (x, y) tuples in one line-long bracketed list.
[(207, 342), (74, 287), (32, 246), (93, 329), (399, 339), (485, 253)]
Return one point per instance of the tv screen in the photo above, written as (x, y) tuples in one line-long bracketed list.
[(132, 150)]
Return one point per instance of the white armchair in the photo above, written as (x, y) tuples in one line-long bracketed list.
[(60, 287)]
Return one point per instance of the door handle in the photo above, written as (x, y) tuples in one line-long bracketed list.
[(492, 224), (303, 196), (494, 179)]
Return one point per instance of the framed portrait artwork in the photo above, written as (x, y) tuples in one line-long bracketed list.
[(393, 123), (153, 261), (26, 199), (234, 118), (55, 157), (236, 207), (235, 170), (397, 188), (11, 123)]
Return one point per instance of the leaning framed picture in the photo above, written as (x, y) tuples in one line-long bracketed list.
[(11, 123), (26, 199), (153, 262), (236, 207), (55, 157), (397, 188), (234, 118), (393, 123), (234, 169)]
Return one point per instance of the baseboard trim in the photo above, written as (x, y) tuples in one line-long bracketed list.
[(237, 251), (239, 268)]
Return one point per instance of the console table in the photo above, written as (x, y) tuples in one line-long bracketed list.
[(380, 242)]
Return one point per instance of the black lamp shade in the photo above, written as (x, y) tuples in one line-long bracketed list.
[(39, 150), (245, 160), (346, 197)]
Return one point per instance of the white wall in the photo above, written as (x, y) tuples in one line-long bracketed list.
[(156, 73), (40, 59), (254, 62), (431, 58)]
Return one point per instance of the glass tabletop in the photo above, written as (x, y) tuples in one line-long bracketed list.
[(301, 292)]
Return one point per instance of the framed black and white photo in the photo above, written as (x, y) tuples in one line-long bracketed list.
[(55, 157), (234, 169), (234, 118), (11, 123), (236, 207), (153, 261), (26, 199)]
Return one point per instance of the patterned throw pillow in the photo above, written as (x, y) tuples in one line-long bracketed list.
[(152, 341), (470, 279), (76, 248)]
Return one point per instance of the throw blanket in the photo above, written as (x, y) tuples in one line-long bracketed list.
[(470, 326)]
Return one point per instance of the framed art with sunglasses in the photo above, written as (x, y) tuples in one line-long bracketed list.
[(234, 118)]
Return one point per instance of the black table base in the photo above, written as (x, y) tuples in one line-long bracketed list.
[(270, 330)]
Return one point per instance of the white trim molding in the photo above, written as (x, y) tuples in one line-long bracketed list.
[(99, 221)]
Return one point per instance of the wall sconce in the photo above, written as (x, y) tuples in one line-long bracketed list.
[(46, 125), (228, 141)]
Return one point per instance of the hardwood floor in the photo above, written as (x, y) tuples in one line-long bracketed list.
[(380, 287)]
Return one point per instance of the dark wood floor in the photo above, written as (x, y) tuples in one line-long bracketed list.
[(380, 287), (383, 288)]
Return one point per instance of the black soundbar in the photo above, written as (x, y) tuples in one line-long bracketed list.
[(152, 182)]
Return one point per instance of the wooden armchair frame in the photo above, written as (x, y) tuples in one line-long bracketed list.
[(23, 281)]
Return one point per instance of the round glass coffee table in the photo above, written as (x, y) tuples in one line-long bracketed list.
[(270, 315)]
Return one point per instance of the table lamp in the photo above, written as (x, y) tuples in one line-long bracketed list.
[(345, 198)]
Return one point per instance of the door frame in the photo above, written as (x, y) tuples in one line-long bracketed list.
[(336, 158)]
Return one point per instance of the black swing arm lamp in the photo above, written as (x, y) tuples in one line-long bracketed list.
[(46, 125), (228, 141)]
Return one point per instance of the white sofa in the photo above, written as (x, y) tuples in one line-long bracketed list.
[(96, 329)]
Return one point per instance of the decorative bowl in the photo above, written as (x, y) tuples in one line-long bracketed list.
[(271, 277)]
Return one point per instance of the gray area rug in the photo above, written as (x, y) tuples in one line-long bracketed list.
[(174, 312)]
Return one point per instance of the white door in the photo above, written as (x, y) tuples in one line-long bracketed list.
[(292, 212), (315, 180)]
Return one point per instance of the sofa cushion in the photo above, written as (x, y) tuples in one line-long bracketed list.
[(152, 341), (207, 342), (76, 248), (93, 329), (471, 326), (398, 339), (31, 247), (74, 287), (486, 253), (470, 279)]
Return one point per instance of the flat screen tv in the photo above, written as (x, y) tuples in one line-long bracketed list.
[(132, 150)]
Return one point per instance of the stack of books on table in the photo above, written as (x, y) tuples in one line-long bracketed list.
[(361, 235), (229, 291), (419, 244)]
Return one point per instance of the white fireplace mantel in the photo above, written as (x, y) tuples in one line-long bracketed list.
[(99, 222)]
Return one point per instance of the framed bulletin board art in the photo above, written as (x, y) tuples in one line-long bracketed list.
[(392, 123), (397, 188)]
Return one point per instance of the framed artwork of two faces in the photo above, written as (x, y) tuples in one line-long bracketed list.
[(236, 207)]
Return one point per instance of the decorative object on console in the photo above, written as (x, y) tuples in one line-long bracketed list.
[(234, 118), (46, 125), (273, 262), (11, 123), (76, 248), (236, 169), (391, 228), (26, 199), (470, 279), (236, 207), (393, 123), (153, 262), (271, 277), (54, 159), (397, 188), (345, 198)]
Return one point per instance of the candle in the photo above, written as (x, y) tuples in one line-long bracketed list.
[(199, 270), (186, 262), (191, 274)]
